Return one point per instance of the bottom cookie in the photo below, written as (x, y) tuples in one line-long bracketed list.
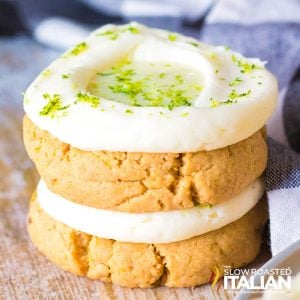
[(179, 264)]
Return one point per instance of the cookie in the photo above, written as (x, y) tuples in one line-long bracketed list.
[(145, 182), (180, 264)]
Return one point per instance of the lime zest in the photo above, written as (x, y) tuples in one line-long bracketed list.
[(193, 44), (115, 34), (46, 73), (184, 114), (232, 98), (132, 29), (236, 81), (84, 97), (53, 106), (172, 37), (179, 78), (245, 67), (141, 91), (111, 35), (65, 76), (78, 49), (128, 112)]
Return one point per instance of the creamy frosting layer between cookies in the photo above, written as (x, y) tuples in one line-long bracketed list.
[(158, 227), (136, 89)]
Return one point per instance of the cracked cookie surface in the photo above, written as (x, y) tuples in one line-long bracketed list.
[(179, 264), (145, 182)]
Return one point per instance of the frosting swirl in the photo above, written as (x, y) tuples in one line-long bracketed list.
[(209, 97), (157, 227)]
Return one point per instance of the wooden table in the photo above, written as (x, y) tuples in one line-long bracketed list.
[(25, 273)]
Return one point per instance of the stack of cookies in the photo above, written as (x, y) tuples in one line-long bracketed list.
[(150, 146)]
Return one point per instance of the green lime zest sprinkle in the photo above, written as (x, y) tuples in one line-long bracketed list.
[(128, 111), (125, 74), (213, 56), (132, 29), (111, 35), (172, 37), (53, 106), (179, 78), (226, 48), (131, 88), (74, 86), (235, 81), (65, 76), (114, 34), (231, 98), (234, 94), (259, 83), (126, 83), (244, 66), (184, 114), (216, 71), (214, 103), (177, 99), (46, 73), (78, 49), (197, 87), (193, 44), (87, 98)]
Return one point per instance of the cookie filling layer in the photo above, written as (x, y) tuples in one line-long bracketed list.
[(137, 89), (158, 227)]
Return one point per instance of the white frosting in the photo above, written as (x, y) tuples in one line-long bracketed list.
[(158, 227), (154, 129)]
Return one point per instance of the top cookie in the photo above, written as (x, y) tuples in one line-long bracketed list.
[(135, 89)]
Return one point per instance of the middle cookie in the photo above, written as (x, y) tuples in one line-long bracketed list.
[(145, 182)]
